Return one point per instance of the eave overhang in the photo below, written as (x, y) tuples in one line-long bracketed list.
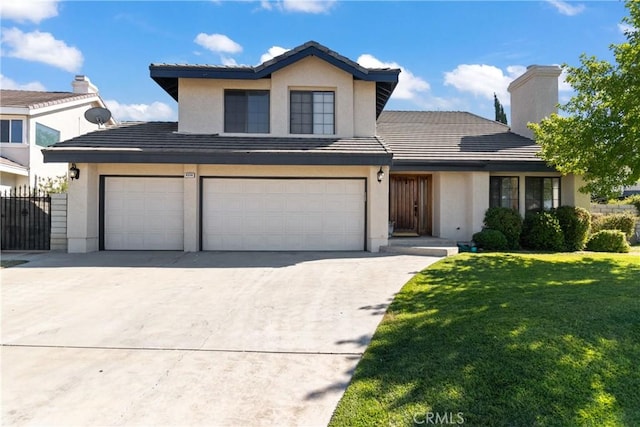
[(471, 166), (80, 155)]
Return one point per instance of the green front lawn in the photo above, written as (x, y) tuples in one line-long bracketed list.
[(506, 340)]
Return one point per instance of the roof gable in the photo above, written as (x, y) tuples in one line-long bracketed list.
[(167, 75)]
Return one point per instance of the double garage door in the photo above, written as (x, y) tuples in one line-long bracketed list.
[(242, 214)]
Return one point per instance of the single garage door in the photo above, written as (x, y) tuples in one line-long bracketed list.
[(143, 213), (283, 214)]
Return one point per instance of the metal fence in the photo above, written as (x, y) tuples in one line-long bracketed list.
[(26, 219)]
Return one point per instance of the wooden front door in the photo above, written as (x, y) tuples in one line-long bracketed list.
[(410, 204)]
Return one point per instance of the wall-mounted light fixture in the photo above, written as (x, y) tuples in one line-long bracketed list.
[(380, 174), (74, 172)]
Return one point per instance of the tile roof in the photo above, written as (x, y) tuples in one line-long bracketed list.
[(38, 99), (159, 142), (437, 139), (8, 162)]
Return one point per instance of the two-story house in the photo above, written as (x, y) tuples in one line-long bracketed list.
[(33, 120), (295, 154)]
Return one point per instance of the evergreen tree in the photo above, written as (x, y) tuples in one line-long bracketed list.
[(500, 115)]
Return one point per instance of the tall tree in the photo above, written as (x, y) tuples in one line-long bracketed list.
[(599, 137), (500, 115)]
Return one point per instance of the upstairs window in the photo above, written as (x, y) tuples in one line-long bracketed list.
[(246, 111), (504, 192), (11, 131), (46, 136), (542, 193), (312, 112)]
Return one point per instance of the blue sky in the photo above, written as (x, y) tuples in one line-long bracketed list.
[(454, 55)]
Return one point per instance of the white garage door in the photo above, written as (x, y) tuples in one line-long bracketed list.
[(143, 213), (283, 214)]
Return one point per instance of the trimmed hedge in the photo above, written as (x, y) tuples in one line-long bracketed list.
[(491, 240), (507, 221), (608, 241), (541, 231), (624, 222), (575, 223)]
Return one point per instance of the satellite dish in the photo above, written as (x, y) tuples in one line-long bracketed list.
[(97, 115)]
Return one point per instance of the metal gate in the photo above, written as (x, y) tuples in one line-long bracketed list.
[(26, 219)]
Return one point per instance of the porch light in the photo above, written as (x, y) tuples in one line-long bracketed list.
[(380, 174), (74, 172)]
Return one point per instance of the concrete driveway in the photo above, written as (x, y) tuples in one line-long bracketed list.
[(173, 338)]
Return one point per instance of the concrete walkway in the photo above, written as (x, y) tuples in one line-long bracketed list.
[(173, 338)]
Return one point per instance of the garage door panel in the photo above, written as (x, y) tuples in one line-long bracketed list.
[(283, 214), (143, 213)]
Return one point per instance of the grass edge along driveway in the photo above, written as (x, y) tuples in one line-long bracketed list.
[(506, 339)]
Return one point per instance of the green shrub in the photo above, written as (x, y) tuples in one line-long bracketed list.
[(624, 222), (541, 231), (608, 241), (491, 240), (632, 200), (575, 224), (507, 221)]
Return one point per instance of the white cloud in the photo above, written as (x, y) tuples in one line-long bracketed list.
[(41, 47), (299, 6), (483, 80), (7, 83), (218, 43), (563, 86), (156, 111), (27, 10), (626, 28), (409, 85), (228, 61), (308, 6), (565, 8), (272, 53)]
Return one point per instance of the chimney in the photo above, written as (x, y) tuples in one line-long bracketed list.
[(82, 84), (534, 96)]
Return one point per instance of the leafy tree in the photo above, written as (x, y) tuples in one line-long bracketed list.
[(599, 138), (500, 115)]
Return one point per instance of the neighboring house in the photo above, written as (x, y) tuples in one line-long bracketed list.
[(32, 120), (296, 154)]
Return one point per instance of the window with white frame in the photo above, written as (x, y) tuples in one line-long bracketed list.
[(312, 112), (11, 130), (542, 193)]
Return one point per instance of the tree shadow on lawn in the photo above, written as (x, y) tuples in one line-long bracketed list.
[(507, 340)]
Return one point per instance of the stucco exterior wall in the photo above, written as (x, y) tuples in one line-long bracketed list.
[(569, 194), (82, 216), (534, 96), (460, 201), (84, 209), (201, 103)]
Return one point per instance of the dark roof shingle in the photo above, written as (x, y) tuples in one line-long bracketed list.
[(435, 139), (159, 142)]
